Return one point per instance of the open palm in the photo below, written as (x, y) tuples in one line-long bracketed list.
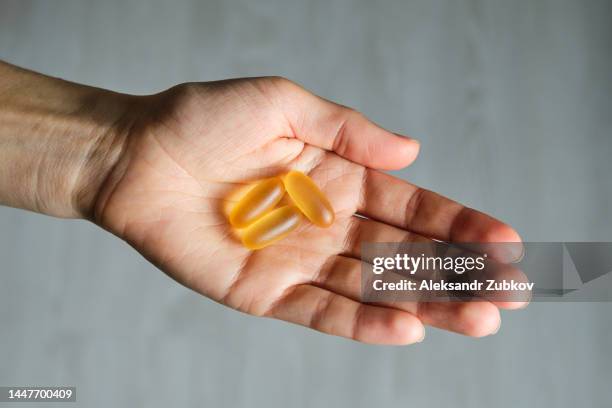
[(188, 154)]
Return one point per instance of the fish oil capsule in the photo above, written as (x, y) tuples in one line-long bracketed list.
[(272, 227), (309, 198), (257, 201)]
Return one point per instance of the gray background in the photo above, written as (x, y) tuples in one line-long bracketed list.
[(512, 103)]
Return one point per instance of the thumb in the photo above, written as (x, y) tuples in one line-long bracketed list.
[(343, 130)]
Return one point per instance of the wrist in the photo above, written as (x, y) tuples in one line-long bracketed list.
[(107, 123), (58, 142)]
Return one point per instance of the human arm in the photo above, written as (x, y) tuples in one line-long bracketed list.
[(157, 170)]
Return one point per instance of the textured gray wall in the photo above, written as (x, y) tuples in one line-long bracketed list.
[(512, 101)]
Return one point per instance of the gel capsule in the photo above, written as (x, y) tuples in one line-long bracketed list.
[(309, 199), (259, 200), (272, 227)]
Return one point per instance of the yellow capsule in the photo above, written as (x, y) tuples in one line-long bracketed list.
[(259, 200), (309, 198), (272, 227)]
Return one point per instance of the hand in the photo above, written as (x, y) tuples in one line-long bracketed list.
[(185, 152)]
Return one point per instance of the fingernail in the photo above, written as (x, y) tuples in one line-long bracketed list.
[(412, 139), (527, 302), (497, 329), (518, 252), (422, 337)]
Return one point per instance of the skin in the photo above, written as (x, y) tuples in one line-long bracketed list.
[(161, 171)]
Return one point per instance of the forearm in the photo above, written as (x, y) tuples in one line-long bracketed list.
[(58, 142)]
